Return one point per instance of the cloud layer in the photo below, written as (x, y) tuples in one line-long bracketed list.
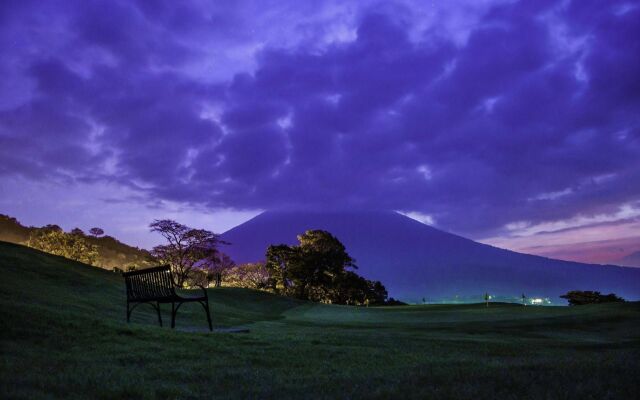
[(479, 118)]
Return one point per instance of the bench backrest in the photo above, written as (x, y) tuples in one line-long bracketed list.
[(149, 284)]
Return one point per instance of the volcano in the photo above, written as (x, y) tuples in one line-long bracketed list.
[(416, 261), (632, 260)]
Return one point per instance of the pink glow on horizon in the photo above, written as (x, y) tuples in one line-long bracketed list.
[(600, 244), (598, 252)]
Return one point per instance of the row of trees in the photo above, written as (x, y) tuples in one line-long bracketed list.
[(95, 232), (317, 269), (250, 275), (579, 297), (52, 239)]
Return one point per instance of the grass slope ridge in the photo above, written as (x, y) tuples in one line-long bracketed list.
[(111, 252), (63, 335)]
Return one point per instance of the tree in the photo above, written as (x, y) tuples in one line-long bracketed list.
[(377, 293), (317, 269), (394, 302), (353, 289), (279, 258), (77, 231), (321, 263), (51, 227), (487, 298), (96, 232), (57, 242), (188, 251), (578, 298), (251, 275), (311, 267), (215, 271)]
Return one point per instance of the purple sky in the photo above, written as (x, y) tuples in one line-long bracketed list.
[(513, 123)]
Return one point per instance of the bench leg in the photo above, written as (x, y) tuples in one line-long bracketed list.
[(128, 313), (174, 312), (159, 316), (206, 309)]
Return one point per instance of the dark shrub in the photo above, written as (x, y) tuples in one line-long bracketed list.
[(579, 297)]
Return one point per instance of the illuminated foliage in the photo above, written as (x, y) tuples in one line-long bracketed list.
[(280, 260), (69, 245), (250, 275)]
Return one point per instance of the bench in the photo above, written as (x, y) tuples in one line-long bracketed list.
[(156, 286)]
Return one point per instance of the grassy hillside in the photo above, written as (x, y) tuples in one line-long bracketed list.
[(63, 335), (111, 252)]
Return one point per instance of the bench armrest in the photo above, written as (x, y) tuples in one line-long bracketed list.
[(204, 290)]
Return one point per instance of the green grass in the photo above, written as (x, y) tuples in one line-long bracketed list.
[(64, 335)]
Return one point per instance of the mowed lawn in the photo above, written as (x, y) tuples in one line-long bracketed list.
[(63, 335)]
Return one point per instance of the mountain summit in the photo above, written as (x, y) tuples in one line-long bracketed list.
[(416, 261)]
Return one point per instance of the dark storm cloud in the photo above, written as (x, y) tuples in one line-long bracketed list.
[(535, 117)]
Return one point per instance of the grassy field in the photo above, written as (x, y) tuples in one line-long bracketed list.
[(63, 335)]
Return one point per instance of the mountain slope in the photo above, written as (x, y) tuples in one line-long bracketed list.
[(417, 261), (632, 260)]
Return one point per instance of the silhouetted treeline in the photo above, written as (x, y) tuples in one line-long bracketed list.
[(578, 297), (318, 269)]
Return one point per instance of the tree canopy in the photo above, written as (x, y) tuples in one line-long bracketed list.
[(579, 297), (70, 245), (188, 251), (96, 232), (250, 275), (320, 269)]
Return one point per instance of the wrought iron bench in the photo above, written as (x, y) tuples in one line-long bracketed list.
[(156, 286)]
